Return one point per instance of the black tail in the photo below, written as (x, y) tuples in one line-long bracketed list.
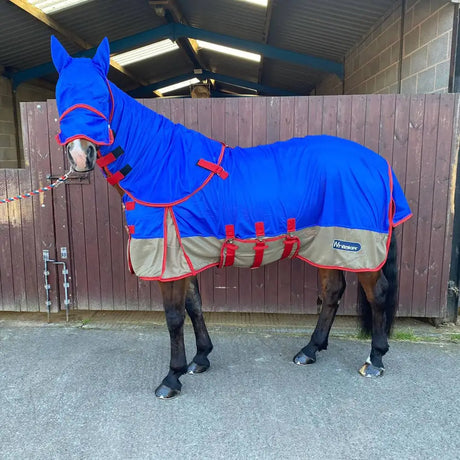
[(390, 270)]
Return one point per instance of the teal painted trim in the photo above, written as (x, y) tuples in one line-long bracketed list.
[(146, 91), (175, 31)]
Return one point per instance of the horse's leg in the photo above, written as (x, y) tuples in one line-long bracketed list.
[(375, 286), (200, 362), (332, 284), (173, 293)]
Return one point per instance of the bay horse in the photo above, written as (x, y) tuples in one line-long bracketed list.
[(192, 203)]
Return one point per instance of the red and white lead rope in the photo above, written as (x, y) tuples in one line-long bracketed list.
[(59, 181)]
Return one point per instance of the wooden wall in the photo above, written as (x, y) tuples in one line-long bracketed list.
[(417, 134)]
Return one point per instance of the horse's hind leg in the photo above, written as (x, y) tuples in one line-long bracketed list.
[(375, 286), (200, 362), (173, 293), (332, 284)]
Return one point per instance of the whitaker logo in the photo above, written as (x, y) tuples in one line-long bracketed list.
[(346, 246)]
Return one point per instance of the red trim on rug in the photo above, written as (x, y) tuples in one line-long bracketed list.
[(215, 168), (128, 254), (82, 136), (164, 280), (187, 258), (130, 205), (163, 205), (165, 241)]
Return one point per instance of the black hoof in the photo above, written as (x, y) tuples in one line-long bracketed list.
[(301, 359), (194, 368), (369, 370), (164, 392)]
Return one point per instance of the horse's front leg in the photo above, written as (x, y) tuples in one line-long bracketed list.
[(332, 286), (375, 286), (173, 293), (200, 362)]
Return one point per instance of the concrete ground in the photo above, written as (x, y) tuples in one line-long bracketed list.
[(84, 390)]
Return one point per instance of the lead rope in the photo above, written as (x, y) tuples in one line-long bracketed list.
[(55, 184)]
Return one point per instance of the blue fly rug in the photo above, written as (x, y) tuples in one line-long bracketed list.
[(192, 203)]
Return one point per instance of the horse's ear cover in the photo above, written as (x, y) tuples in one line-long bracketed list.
[(61, 58), (102, 57)]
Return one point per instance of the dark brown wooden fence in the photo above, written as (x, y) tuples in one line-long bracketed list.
[(417, 134)]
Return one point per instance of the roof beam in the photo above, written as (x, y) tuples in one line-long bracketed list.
[(175, 31), (206, 75), (52, 24)]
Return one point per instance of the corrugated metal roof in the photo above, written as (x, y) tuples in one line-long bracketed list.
[(326, 29)]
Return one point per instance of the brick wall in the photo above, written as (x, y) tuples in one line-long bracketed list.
[(10, 157), (8, 151), (427, 46), (413, 57)]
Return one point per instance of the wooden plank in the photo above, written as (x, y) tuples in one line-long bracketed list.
[(40, 164), (201, 121), (28, 221), (400, 146), (296, 301), (231, 139), (446, 158), (425, 205), (387, 127), (273, 130), (414, 158), (259, 137), (61, 225), (245, 137), (15, 241), (6, 262), (329, 122), (315, 115), (218, 133)]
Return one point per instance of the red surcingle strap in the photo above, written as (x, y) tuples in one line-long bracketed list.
[(213, 167), (227, 258), (260, 246), (290, 240)]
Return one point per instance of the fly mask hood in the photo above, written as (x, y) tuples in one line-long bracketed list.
[(83, 95)]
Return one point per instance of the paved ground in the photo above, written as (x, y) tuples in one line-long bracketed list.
[(72, 392)]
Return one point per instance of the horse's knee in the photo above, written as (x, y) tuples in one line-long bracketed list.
[(332, 287), (174, 319)]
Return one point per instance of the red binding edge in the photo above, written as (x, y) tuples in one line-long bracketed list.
[(163, 205)]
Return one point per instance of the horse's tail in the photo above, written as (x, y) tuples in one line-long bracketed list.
[(390, 270)]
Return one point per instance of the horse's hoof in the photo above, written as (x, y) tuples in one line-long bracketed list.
[(194, 368), (164, 392), (369, 370), (301, 359)]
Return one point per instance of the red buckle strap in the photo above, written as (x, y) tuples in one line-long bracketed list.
[(119, 175), (216, 169), (227, 255), (290, 240), (130, 205), (260, 246), (105, 160)]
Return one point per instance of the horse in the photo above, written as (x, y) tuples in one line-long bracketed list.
[(327, 201)]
